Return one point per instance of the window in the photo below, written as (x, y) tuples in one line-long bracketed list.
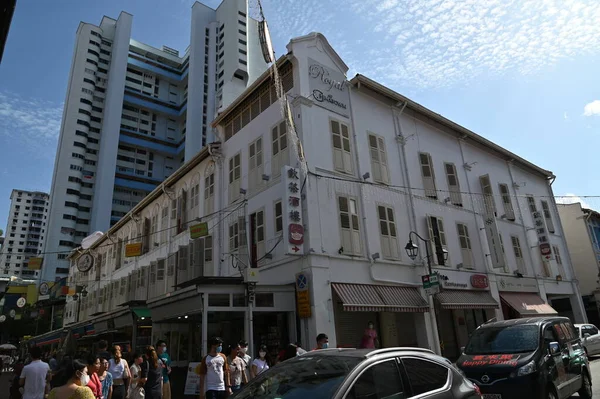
[(428, 175), (453, 184), (437, 238), (424, 376), (342, 155), (181, 211), (235, 177), (488, 195), (506, 202), (379, 165), (516, 244), (465, 245), (350, 230), (548, 216), (588, 329), (387, 229), (209, 194), (194, 200), (559, 262), (379, 381), (237, 236), (278, 217), (256, 168), (280, 148), (257, 225)]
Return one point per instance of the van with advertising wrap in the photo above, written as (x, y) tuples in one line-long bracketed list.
[(540, 358)]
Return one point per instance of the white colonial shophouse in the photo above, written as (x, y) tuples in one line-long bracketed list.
[(325, 238)]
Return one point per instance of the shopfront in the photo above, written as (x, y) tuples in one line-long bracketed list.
[(396, 312), (520, 298), (463, 304), (561, 297)]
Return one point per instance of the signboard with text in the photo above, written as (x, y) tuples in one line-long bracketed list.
[(292, 211), (199, 230), (542, 234), (431, 283), (303, 295), (132, 250), (328, 88)]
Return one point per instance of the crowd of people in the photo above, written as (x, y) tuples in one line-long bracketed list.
[(105, 374)]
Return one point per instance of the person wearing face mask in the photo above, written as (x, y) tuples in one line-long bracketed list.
[(369, 339), (243, 344), (322, 341), (261, 363), (214, 374), (165, 363), (75, 383)]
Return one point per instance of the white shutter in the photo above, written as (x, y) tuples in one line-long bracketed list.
[(234, 177), (453, 184), (379, 165), (256, 169), (518, 254), (209, 194), (259, 234), (488, 195), (152, 285), (342, 153), (432, 222), (197, 260), (548, 216), (506, 202), (279, 148), (465, 245), (387, 230), (428, 175), (349, 226)]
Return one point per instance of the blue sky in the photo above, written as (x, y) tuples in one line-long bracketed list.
[(522, 73)]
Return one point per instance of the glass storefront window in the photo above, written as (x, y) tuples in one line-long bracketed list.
[(218, 300)]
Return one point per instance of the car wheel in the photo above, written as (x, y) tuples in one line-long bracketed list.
[(586, 386)]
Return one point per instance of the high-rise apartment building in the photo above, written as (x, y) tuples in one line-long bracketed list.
[(25, 231), (126, 125)]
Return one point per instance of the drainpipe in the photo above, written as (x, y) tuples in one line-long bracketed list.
[(219, 166)]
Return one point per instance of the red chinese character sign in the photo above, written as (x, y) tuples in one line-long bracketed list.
[(292, 210), (542, 234)]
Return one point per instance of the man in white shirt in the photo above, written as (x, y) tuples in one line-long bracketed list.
[(35, 376), (214, 372), (243, 344)]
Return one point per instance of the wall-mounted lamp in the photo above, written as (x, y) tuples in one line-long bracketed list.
[(243, 191), (375, 256), (266, 177), (366, 175)]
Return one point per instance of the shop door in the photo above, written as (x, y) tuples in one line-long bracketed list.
[(447, 334), (350, 326)]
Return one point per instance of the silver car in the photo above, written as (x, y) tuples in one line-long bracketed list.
[(590, 337), (391, 373)]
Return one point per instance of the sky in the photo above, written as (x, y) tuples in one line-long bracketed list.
[(522, 73)]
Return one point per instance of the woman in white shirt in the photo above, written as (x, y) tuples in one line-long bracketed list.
[(261, 363), (117, 366), (135, 370)]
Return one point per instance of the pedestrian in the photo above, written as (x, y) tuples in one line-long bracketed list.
[(237, 368), (243, 344), (151, 375), (165, 364), (103, 349), (35, 376), (106, 379), (322, 341), (118, 367), (215, 378), (93, 366), (299, 348), (261, 363), (53, 363), (369, 339), (135, 371), (75, 382)]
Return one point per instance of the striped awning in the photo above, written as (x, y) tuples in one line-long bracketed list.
[(464, 299), (379, 298), (527, 304)]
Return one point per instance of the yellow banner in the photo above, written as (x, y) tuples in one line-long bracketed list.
[(35, 263), (199, 230), (133, 249)]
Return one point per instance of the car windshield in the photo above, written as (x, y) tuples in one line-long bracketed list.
[(504, 339), (306, 376)]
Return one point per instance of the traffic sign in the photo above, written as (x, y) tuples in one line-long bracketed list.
[(431, 283), (21, 302)]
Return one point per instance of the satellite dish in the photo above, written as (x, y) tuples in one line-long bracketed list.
[(265, 42)]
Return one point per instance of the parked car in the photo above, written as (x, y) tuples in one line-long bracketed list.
[(590, 336), (540, 357), (394, 373)]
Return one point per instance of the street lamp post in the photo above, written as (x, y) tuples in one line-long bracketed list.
[(412, 250)]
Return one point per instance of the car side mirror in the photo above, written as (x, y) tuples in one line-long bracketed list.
[(553, 348)]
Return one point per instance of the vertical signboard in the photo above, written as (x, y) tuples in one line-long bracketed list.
[(303, 296), (493, 238), (542, 234), (292, 211)]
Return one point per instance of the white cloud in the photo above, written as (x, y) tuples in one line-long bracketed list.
[(592, 108), (570, 198), (433, 43), (565, 116), (31, 123)]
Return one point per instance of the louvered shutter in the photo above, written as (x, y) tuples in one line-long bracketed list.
[(506, 202), (428, 175), (453, 184)]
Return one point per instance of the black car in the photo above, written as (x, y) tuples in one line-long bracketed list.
[(540, 357), (392, 373)]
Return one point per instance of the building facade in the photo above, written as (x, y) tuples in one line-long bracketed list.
[(295, 222), (125, 123), (582, 232), (25, 234)]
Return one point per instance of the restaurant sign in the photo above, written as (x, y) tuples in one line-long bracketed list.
[(328, 87), (292, 207)]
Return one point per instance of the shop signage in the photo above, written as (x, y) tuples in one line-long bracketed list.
[(132, 250), (431, 283), (542, 234), (517, 284), (35, 263), (21, 302), (449, 283), (328, 87), (44, 291), (479, 281), (192, 380), (493, 238), (292, 215), (199, 230), (303, 296)]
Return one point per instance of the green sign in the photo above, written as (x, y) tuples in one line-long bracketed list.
[(431, 283), (199, 230)]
